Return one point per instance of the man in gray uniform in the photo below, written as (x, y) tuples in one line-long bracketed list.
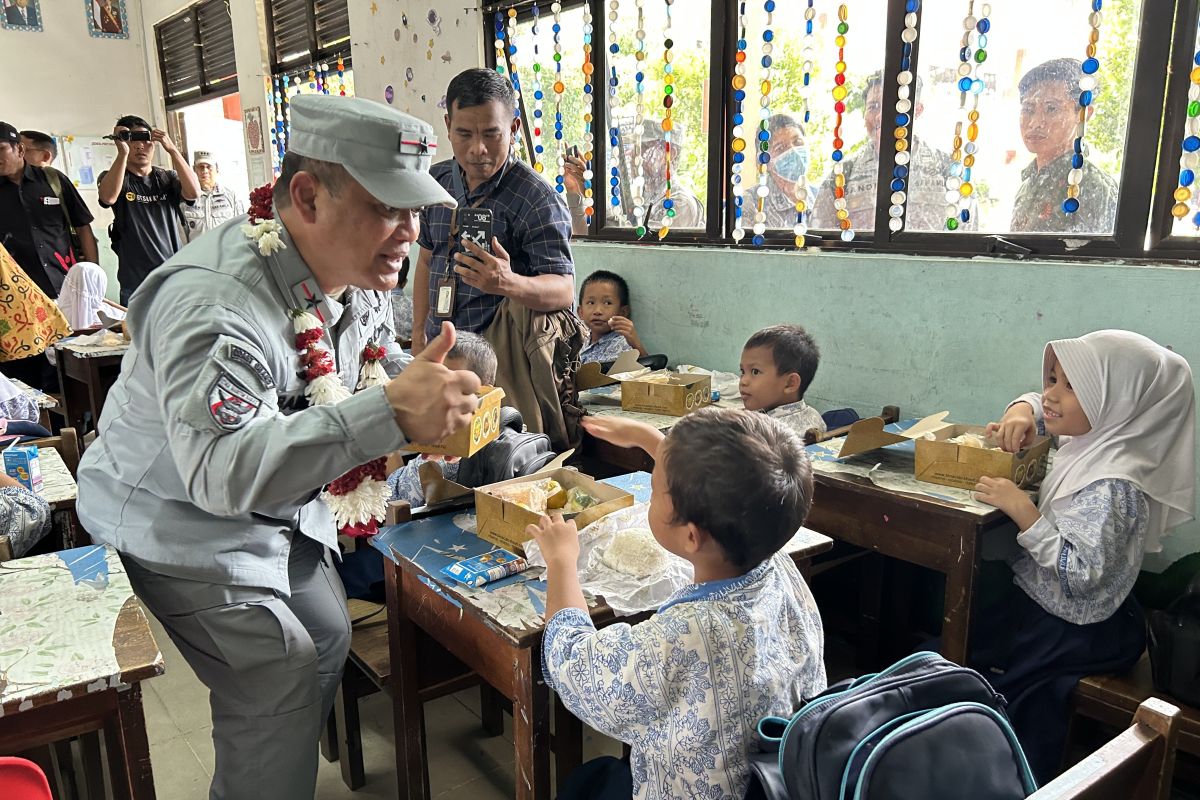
[(207, 471)]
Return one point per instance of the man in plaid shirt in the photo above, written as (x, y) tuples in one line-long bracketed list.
[(530, 262)]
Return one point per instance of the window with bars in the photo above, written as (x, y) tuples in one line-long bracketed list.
[(303, 31), (918, 126), (196, 55)]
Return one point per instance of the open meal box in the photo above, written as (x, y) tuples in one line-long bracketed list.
[(652, 392), (949, 464), (469, 440), (503, 522)]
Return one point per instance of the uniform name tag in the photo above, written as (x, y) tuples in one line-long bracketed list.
[(51, 201), (445, 299), (247, 359), (231, 405)]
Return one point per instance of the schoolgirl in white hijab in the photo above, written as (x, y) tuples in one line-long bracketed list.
[(1123, 410), (82, 296)]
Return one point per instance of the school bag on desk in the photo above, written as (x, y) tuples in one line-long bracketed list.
[(922, 729), (514, 454)]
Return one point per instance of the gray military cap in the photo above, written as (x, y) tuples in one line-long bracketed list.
[(386, 151)]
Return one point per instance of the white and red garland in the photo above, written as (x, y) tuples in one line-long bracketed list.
[(358, 499)]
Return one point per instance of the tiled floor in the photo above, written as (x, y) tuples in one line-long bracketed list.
[(463, 761)]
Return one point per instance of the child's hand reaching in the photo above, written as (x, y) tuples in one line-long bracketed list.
[(1015, 430), (624, 326), (1008, 497), (624, 432), (558, 539)]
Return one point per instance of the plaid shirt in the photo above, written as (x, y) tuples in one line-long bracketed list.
[(530, 220)]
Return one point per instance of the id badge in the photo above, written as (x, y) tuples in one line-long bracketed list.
[(444, 307)]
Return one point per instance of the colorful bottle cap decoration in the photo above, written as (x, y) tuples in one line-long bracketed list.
[(614, 132), (763, 139), (904, 117), (589, 139), (667, 123), (1087, 89), (737, 141), (637, 188), (961, 203), (556, 29), (807, 52), (535, 128), (1187, 198), (840, 92)]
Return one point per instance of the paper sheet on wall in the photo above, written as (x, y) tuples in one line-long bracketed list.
[(85, 157)]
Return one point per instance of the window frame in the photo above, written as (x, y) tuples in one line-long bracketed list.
[(1143, 224), (316, 54), (206, 90)]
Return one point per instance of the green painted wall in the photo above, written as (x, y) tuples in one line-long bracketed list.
[(928, 334)]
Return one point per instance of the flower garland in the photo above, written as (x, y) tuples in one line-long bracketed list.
[(358, 499)]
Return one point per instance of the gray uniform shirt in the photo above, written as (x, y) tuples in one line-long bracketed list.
[(209, 458)]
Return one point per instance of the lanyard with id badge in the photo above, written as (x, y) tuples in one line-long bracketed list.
[(469, 222)]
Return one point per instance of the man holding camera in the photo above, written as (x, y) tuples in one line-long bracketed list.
[(145, 201)]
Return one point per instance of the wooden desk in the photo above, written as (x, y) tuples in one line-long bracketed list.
[(60, 492), (75, 658), (497, 635), (43, 401), (86, 374), (943, 533)]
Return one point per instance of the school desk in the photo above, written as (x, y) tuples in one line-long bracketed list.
[(496, 631), (86, 373), (75, 646), (43, 401)]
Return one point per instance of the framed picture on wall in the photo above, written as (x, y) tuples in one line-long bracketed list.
[(22, 15), (107, 19), (252, 126)]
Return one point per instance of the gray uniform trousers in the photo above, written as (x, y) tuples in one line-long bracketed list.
[(272, 665)]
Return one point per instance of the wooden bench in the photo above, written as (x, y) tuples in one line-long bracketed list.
[(1112, 700), (1136, 765)]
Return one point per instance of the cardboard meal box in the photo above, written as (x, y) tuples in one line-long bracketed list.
[(503, 523), (961, 466), (483, 430), (869, 434), (662, 392), (22, 465)]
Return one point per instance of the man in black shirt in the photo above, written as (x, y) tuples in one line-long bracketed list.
[(145, 201), (38, 209)]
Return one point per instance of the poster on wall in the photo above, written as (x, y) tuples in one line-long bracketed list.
[(252, 124), (107, 19), (85, 157), (22, 15)]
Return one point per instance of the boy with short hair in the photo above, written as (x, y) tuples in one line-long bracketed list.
[(604, 309), (687, 687), (777, 367), (471, 352)]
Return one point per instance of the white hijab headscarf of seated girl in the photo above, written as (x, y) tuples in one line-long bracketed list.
[(1139, 398), (82, 294)]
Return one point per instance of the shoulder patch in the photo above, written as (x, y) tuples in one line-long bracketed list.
[(247, 359), (230, 404)]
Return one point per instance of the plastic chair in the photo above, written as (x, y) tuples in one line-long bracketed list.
[(21, 779)]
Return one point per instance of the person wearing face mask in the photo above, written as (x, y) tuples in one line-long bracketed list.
[(145, 201), (788, 164), (927, 169)]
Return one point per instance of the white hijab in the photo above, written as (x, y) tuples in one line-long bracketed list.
[(1139, 398), (82, 294)]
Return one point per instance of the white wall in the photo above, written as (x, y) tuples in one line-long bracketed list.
[(384, 50), (64, 82)]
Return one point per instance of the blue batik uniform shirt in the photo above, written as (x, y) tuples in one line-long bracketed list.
[(687, 687)]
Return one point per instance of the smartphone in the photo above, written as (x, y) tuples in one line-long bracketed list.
[(574, 151), (476, 224)]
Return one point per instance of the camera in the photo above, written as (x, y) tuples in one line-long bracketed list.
[(133, 136)]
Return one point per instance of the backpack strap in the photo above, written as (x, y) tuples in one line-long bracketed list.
[(55, 181)]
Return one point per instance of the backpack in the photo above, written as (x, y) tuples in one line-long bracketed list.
[(1175, 646), (922, 729), (515, 453)]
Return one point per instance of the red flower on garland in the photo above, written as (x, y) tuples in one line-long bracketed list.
[(262, 202)]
